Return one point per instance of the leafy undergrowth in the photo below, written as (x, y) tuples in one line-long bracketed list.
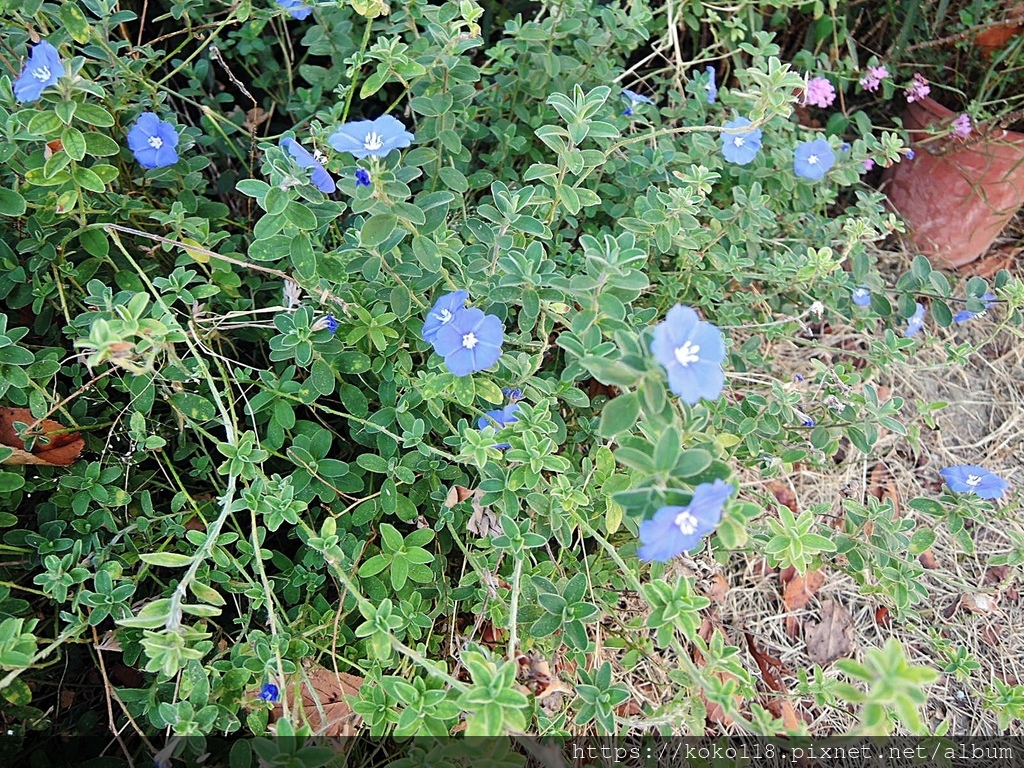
[(398, 371)]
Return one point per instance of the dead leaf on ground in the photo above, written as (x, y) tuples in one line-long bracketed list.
[(714, 713), (484, 520), (771, 669), (882, 486), (321, 693), (783, 494), (718, 588), (996, 574), (927, 560), (980, 603), (60, 450), (797, 592), (832, 638)]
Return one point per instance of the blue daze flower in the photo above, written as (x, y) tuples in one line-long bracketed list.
[(674, 530), (498, 419), (512, 394), (910, 154), (152, 141), (321, 179), (861, 296), (965, 314), (739, 146), (812, 159), (470, 341), (362, 178), (636, 98), (970, 478), (298, 9), (269, 692), (692, 352), (442, 313), (331, 324), (43, 69), (916, 322), (376, 138), (711, 88)]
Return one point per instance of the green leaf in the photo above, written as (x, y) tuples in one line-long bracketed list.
[(94, 115), (377, 229), (194, 407), (87, 178), (73, 141), (11, 203), (619, 414), (75, 22), (99, 145), (166, 559)]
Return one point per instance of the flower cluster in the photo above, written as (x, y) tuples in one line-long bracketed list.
[(674, 530), (873, 79), (466, 338), (819, 92), (917, 89), (962, 126), (691, 351)]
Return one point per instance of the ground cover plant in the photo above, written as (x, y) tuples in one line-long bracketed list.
[(428, 369)]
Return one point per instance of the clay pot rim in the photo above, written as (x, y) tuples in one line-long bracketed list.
[(937, 113)]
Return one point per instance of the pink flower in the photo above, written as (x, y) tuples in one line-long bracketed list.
[(873, 78), (819, 92), (869, 164), (962, 126), (917, 89)]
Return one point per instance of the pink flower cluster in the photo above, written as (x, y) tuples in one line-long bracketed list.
[(873, 78), (917, 89), (819, 92), (962, 126)]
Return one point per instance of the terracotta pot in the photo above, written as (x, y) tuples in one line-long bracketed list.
[(956, 195)]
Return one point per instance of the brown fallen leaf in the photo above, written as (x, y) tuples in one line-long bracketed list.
[(457, 495), (717, 588), (832, 638), (321, 695), (783, 494), (771, 669), (796, 594), (927, 560), (980, 603), (484, 520), (60, 450)]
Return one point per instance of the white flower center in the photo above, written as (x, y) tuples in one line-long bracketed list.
[(444, 317), (738, 141), (686, 523), (860, 293), (41, 73), (155, 142), (972, 480), (373, 141), (469, 341), (688, 353), (812, 159)]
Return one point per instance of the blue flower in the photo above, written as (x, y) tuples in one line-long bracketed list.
[(861, 296), (628, 111), (498, 419), (970, 478), (269, 692), (362, 178), (442, 313), (915, 322), (331, 323), (512, 394), (43, 69), (321, 179), (965, 314), (910, 154), (636, 98), (739, 146), (470, 341), (812, 159), (371, 137), (298, 9), (152, 141), (691, 351), (711, 88), (674, 530)]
